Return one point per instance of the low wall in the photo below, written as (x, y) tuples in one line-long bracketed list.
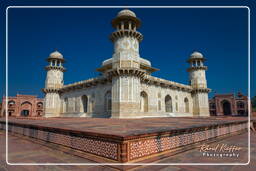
[(129, 148), (157, 144)]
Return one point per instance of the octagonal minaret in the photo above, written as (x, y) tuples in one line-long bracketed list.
[(126, 67), (126, 40), (53, 82), (197, 70), (198, 82)]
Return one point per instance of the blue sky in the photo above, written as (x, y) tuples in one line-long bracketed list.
[(170, 36)]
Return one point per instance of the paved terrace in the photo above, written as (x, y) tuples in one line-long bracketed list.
[(24, 150), (121, 128)]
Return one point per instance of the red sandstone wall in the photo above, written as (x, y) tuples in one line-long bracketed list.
[(232, 99), (253, 114), (21, 103)]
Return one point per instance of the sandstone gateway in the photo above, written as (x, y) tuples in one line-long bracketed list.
[(126, 88)]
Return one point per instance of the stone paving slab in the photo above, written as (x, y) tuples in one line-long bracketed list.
[(126, 127), (195, 156), (129, 139), (23, 150)]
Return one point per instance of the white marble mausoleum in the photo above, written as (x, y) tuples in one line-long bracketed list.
[(126, 88)]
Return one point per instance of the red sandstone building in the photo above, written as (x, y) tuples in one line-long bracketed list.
[(22, 105), (229, 104)]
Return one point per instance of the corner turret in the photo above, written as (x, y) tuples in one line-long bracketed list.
[(54, 81), (198, 82)]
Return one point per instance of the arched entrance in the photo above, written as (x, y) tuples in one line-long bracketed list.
[(108, 103), (226, 107), (85, 103), (24, 113), (168, 104), (143, 102), (186, 105), (26, 108)]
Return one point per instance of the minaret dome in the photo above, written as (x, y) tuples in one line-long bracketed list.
[(126, 20), (55, 56), (196, 59), (126, 12)]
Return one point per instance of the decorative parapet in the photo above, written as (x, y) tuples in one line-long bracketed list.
[(47, 68), (148, 79), (196, 68), (126, 32), (131, 146), (84, 84), (103, 79)]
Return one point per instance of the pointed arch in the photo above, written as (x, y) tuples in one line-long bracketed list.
[(186, 105), (108, 101), (84, 99), (226, 107), (66, 104), (26, 109), (143, 101), (168, 104), (26, 103)]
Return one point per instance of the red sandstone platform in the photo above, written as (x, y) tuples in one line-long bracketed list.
[(36, 153), (124, 128), (126, 140)]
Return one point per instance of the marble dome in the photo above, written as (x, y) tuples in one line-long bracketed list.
[(126, 12), (56, 54), (196, 55)]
